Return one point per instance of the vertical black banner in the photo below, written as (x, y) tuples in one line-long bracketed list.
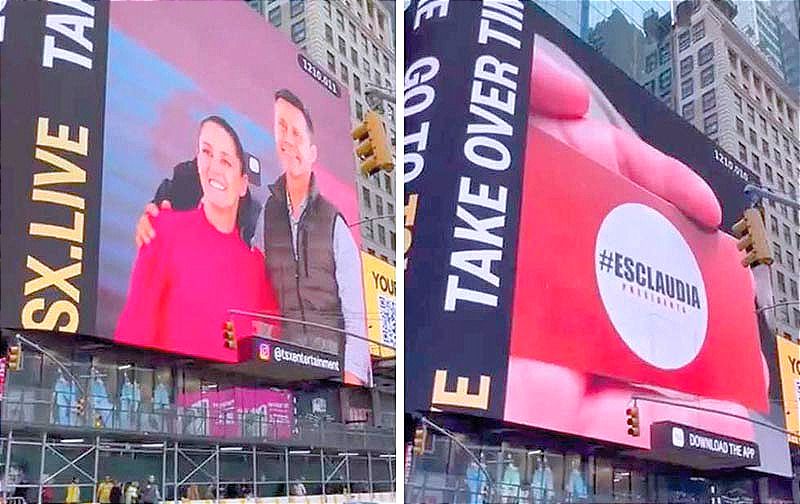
[(52, 102), (466, 108)]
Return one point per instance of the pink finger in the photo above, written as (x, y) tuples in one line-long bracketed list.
[(668, 178), (555, 91)]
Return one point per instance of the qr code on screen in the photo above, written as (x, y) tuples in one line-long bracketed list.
[(386, 312)]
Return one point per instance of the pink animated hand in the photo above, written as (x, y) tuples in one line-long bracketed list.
[(560, 102)]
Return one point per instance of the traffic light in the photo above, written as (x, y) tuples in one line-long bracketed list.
[(420, 439), (373, 148), (98, 422), (753, 240), (14, 358), (229, 335), (81, 406), (633, 421)]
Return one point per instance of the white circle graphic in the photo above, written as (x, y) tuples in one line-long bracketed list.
[(651, 286)]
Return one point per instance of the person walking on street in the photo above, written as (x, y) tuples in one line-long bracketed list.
[(104, 490), (73, 492), (150, 494), (116, 493), (132, 493)]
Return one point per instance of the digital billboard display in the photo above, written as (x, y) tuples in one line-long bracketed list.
[(789, 362), (567, 250), (379, 298), (159, 171)]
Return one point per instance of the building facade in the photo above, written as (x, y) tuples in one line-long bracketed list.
[(353, 40), (772, 28), (729, 91)]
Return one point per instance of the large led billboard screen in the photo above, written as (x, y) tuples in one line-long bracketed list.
[(112, 108), (567, 246), (379, 297)]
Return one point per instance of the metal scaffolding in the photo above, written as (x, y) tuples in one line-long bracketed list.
[(32, 463)]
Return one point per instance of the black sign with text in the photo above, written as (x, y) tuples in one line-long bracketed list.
[(466, 107), (681, 444), (53, 101)]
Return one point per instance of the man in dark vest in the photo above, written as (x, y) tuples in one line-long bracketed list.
[(312, 258)]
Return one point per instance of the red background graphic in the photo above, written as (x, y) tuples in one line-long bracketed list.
[(558, 315)]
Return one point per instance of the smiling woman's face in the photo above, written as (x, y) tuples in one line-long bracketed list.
[(221, 174)]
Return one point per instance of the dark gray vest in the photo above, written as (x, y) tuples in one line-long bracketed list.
[(306, 287)]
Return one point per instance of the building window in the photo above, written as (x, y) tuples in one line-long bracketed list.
[(345, 73), (707, 76), (705, 54), (651, 86), (392, 240), (740, 126), (387, 183), (378, 205), (665, 79), (763, 124), (331, 62), (710, 124), (356, 84), (767, 171), (780, 182), (354, 56), (651, 62), (687, 88), (709, 100), (296, 7), (381, 235), (353, 31), (687, 64), (756, 162), (781, 283), (775, 135), (777, 154), (275, 16), (299, 31), (742, 152), (329, 34), (765, 150), (342, 47), (359, 111), (698, 31), (688, 111), (367, 197), (787, 235), (386, 64), (738, 101), (796, 317), (684, 40), (389, 209), (753, 137), (663, 54), (751, 114), (340, 19)]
